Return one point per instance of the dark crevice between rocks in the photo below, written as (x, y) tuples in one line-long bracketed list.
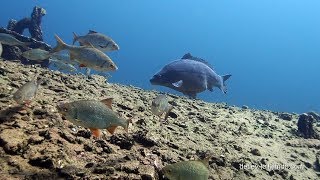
[(123, 141), (141, 138)]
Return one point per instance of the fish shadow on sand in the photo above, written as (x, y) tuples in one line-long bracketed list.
[(7, 114)]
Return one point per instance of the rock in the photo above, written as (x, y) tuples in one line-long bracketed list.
[(43, 161), (245, 107), (129, 167), (84, 133), (123, 141), (106, 170), (141, 138), (45, 133), (315, 115), (255, 152), (147, 172), (13, 141), (285, 116), (305, 126), (67, 136), (71, 172), (35, 139), (104, 145)]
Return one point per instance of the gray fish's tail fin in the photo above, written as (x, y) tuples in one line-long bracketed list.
[(60, 45), (75, 37), (223, 86)]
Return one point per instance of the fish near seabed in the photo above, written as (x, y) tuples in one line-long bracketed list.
[(36, 54), (190, 75), (93, 114), (8, 39), (27, 92), (187, 170), (161, 105), (87, 56), (98, 40)]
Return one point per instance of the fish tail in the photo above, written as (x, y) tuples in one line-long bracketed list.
[(60, 45), (75, 37)]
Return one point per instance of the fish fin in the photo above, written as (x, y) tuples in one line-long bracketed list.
[(178, 84), (226, 77), (82, 65), (60, 45), (92, 32), (86, 43), (111, 129), (187, 56), (75, 37), (168, 112), (223, 86), (190, 57), (107, 102), (210, 89), (95, 132)]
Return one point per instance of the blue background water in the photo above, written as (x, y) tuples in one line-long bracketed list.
[(270, 47)]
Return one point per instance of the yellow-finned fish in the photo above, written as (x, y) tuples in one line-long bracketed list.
[(161, 105), (8, 39), (27, 91), (187, 170), (98, 40), (93, 114), (36, 54), (87, 56)]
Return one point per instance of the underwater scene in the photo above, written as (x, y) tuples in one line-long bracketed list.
[(159, 90)]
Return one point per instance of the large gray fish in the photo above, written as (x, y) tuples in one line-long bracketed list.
[(189, 75), (12, 41), (87, 56), (98, 40), (36, 54), (27, 91), (94, 115), (161, 105)]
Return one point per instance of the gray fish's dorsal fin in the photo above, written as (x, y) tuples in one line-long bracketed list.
[(92, 32), (190, 57)]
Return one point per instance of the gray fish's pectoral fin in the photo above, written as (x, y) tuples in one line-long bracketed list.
[(178, 84)]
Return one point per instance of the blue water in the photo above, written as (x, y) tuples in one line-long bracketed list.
[(272, 48)]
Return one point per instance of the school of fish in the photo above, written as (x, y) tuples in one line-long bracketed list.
[(189, 75)]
